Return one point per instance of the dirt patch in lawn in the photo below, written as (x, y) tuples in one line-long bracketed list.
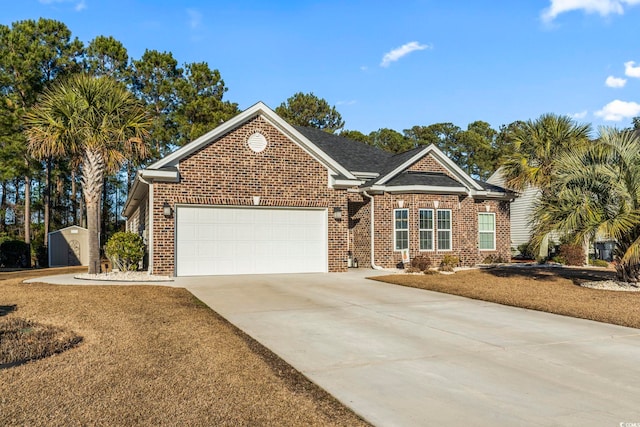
[(150, 356), (554, 290)]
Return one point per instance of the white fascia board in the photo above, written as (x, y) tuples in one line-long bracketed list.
[(138, 191), (366, 175), (160, 175), (346, 183), (432, 189), (492, 195)]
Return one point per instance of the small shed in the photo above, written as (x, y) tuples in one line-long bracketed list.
[(69, 246)]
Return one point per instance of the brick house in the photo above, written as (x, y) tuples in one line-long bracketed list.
[(257, 195)]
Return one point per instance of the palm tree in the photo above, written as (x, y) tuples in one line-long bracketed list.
[(537, 145), (96, 120), (596, 189)]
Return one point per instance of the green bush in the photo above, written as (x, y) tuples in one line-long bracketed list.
[(598, 263), (526, 251), (125, 250), (449, 262), (573, 254)]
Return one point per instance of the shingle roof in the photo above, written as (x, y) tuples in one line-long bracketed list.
[(353, 155), (435, 179), (491, 187), (360, 157)]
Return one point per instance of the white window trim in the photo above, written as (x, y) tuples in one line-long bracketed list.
[(494, 231), (400, 229), (450, 230), (432, 229)]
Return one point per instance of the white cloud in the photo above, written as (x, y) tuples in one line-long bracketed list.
[(601, 7), (615, 82), (630, 70), (580, 115), (195, 18), (617, 110), (79, 5), (401, 51)]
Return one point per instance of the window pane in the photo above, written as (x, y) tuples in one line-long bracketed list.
[(486, 241), (444, 240), (402, 219), (426, 219), (402, 240), (426, 240), (486, 222), (444, 220)]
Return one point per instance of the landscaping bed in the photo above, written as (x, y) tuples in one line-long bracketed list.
[(149, 355), (553, 290)]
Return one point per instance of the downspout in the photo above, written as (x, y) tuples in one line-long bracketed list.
[(150, 213), (373, 252)]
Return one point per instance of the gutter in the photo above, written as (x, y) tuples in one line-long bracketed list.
[(373, 259)]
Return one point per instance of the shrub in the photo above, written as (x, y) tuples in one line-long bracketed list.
[(598, 263), (449, 262), (526, 251), (573, 254), (125, 250), (14, 253), (494, 259), (421, 262)]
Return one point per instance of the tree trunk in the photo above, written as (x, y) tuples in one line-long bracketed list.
[(27, 217), (47, 200), (3, 207), (92, 181), (74, 199)]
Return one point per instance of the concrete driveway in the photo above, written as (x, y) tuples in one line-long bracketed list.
[(406, 357)]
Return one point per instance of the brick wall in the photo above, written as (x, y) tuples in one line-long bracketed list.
[(360, 229), (429, 164), (464, 227), (227, 172)]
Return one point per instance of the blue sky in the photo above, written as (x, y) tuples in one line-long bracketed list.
[(391, 64)]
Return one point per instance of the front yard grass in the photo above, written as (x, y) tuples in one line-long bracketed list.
[(554, 290), (149, 355)]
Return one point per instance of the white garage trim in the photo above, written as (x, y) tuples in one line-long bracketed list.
[(223, 240)]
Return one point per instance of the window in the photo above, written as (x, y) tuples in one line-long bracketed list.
[(444, 229), (401, 229), (426, 229), (487, 231)]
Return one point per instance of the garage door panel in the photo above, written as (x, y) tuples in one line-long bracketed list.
[(217, 241)]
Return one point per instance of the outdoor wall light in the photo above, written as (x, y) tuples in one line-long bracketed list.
[(166, 210), (337, 213)]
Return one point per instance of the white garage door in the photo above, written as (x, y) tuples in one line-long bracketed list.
[(215, 241)]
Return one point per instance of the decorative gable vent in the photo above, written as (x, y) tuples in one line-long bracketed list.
[(257, 142)]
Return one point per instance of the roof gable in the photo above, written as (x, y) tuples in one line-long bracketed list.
[(401, 162), (258, 109)]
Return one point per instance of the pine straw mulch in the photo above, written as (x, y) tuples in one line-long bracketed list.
[(553, 290), (149, 355)]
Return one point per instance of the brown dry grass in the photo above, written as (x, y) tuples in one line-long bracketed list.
[(150, 356), (554, 290)]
